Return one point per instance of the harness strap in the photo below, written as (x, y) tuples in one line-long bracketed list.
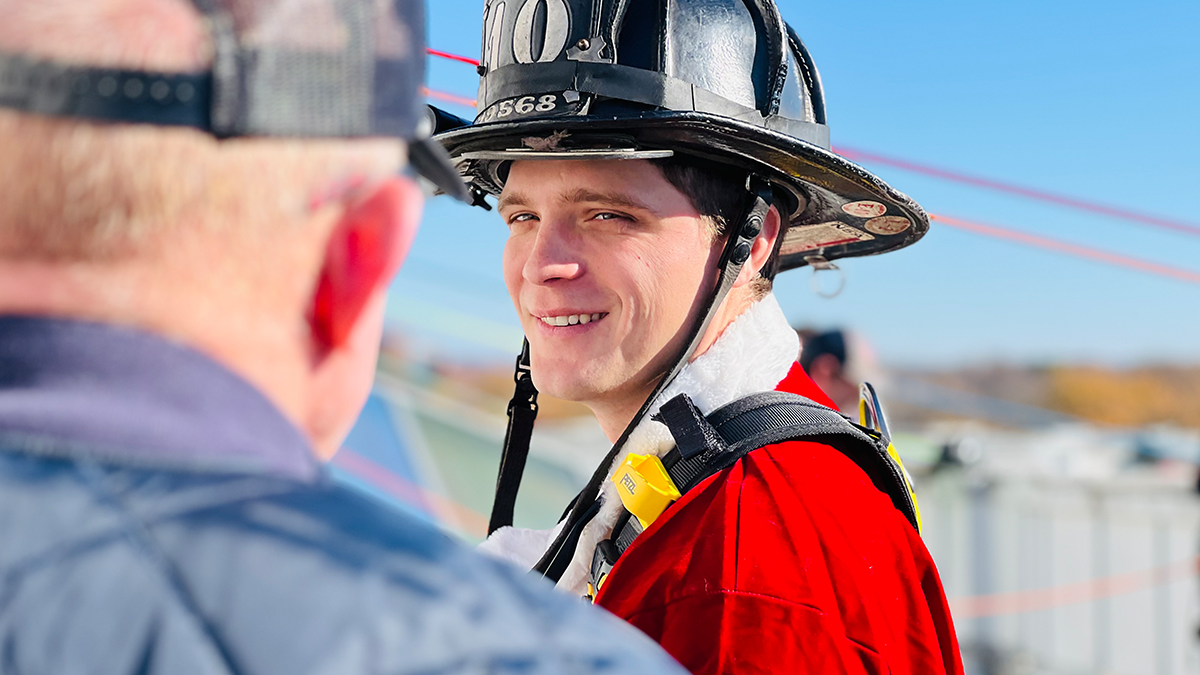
[(773, 417), (705, 446)]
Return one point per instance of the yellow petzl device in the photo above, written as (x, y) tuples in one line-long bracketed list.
[(644, 486)]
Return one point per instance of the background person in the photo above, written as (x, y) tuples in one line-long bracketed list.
[(189, 325), (838, 361)]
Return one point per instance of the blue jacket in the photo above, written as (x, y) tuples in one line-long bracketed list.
[(158, 515)]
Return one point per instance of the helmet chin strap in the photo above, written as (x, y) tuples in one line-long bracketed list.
[(522, 408), (522, 411)]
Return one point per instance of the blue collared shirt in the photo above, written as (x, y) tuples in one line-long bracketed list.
[(137, 398), (159, 515)]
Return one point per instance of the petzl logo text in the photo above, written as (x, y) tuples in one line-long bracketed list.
[(628, 484)]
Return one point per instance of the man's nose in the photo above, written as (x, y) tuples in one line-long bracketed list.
[(555, 255)]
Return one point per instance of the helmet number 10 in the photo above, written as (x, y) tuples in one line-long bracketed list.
[(530, 40)]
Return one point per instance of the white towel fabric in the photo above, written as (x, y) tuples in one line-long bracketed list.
[(752, 355)]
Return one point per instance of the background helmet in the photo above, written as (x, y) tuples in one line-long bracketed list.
[(722, 80)]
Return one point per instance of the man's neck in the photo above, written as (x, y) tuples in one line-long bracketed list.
[(615, 413), (615, 416)]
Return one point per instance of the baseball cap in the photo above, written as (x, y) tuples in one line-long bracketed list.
[(280, 68)]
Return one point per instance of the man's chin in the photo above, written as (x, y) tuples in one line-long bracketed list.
[(574, 386), (568, 391)]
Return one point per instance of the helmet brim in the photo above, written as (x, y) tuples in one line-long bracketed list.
[(843, 210)]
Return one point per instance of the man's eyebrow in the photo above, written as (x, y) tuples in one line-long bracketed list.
[(512, 199), (612, 198), (580, 196)]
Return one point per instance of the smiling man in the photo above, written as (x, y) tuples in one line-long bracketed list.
[(614, 242), (657, 163)]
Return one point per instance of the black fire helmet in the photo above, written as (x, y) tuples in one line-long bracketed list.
[(723, 80)]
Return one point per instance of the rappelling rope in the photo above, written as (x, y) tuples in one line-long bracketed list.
[(1037, 599), (1020, 190), (1074, 250)]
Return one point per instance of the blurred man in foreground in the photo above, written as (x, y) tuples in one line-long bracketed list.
[(188, 325)]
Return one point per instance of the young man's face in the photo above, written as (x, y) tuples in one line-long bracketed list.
[(606, 262)]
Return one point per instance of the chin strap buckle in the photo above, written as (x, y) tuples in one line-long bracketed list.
[(525, 394), (479, 198)]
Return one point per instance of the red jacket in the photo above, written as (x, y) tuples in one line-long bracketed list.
[(790, 561)]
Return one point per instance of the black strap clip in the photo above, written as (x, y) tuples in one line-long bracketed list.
[(525, 395), (691, 430)]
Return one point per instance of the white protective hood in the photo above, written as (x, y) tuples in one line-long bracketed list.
[(753, 355)]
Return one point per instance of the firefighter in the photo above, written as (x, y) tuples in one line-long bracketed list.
[(657, 164)]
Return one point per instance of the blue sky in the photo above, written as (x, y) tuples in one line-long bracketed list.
[(1095, 100)]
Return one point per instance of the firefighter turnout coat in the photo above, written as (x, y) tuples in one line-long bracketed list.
[(789, 561)]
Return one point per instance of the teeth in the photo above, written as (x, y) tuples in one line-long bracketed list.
[(571, 319)]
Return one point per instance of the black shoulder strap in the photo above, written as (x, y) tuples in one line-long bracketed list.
[(704, 446), (773, 417)]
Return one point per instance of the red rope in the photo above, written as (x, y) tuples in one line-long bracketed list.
[(1019, 190), (1070, 594), (449, 98), (1071, 249), (453, 57)]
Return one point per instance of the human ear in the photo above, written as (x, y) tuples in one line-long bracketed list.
[(363, 253), (760, 250)]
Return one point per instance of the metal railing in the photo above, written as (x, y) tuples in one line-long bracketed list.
[(1068, 576)]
